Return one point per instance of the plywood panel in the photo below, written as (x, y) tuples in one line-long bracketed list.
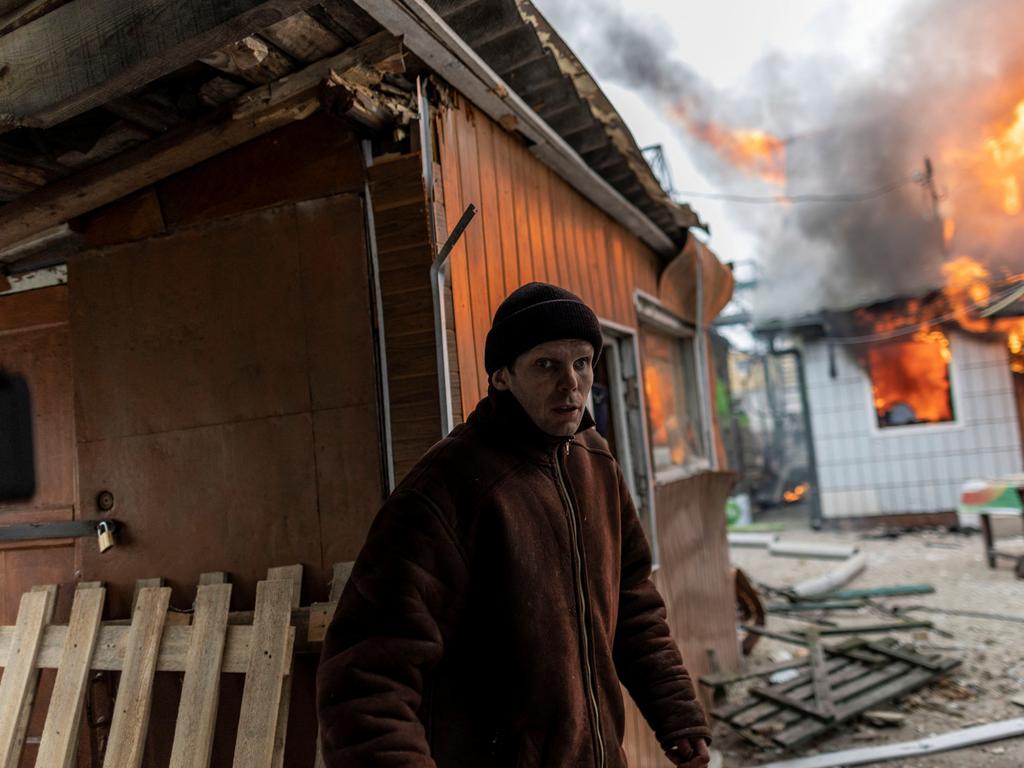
[(204, 327), (348, 478), (336, 301), (238, 497)]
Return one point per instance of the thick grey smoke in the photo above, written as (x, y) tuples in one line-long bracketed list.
[(947, 72)]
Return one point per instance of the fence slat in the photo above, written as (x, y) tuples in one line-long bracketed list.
[(269, 661), (338, 581), (291, 573), (197, 712), (26, 709), (60, 733), (20, 673), (127, 738)]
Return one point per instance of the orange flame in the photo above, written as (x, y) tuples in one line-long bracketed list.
[(797, 493), (1007, 152), (948, 231), (910, 379), (752, 151), (967, 290)]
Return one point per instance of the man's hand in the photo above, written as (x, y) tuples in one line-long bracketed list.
[(692, 753)]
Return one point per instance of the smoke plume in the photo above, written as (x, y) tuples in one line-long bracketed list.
[(863, 224)]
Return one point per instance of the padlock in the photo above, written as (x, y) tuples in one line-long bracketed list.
[(105, 534)]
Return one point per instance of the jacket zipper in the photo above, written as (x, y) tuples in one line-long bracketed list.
[(582, 619)]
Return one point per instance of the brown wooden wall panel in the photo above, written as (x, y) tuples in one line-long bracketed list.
[(335, 277), (531, 226), (202, 327), (237, 497), (25, 310), (312, 158), (226, 390), (696, 583), (123, 221)]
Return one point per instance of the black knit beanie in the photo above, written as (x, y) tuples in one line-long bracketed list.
[(535, 313)]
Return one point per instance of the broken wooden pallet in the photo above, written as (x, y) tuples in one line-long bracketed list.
[(202, 643), (838, 684)]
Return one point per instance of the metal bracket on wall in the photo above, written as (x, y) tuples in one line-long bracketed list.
[(104, 530)]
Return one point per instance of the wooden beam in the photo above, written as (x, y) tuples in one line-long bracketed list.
[(251, 59), (88, 52), (257, 113)]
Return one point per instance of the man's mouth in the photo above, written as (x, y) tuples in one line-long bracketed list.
[(566, 409)]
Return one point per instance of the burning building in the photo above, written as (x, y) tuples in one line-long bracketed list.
[(910, 399)]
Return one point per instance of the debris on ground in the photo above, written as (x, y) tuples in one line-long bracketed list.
[(972, 678), (836, 684)]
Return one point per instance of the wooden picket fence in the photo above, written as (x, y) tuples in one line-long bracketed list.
[(202, 644)]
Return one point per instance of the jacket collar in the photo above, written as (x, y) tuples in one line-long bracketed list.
[(503, 419)]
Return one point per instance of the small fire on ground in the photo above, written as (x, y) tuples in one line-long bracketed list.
[(796, 493)]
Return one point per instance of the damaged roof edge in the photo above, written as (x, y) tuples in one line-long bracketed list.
[(604, 112), (428, 36)]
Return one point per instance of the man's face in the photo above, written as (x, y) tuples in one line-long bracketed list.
[(552, 382)]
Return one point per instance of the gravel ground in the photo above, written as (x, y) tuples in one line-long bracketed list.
[(977, 692)]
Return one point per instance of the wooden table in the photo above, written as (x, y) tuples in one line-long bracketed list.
[(990, 548)]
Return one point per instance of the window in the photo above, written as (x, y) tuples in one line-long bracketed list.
[(910, 381), (673, 408)]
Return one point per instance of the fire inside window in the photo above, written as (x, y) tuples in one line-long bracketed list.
[(671, 410), (910, 380)]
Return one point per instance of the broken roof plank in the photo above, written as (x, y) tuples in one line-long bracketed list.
[(303, 38), (968, 737), (90, 51), (179, 149)]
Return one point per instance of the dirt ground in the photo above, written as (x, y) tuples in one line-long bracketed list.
[(979, 691)]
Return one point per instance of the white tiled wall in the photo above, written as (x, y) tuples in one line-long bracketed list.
[(866, 471)]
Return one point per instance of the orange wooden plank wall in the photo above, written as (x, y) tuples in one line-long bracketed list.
[(530, 225)]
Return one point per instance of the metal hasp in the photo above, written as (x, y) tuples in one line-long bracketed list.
[(104, 530), (437, 283)]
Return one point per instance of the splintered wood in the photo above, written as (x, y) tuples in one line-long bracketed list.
[(203, 643)]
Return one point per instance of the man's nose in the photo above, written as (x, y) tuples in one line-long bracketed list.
[(570, 380)]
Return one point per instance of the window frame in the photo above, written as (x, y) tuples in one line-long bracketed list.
[(625, 374), (654, 316), (955, 399)]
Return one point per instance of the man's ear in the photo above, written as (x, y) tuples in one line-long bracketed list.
[(500, 379)]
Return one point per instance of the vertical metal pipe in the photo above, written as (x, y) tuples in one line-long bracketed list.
[(382, 352), (438, 269)]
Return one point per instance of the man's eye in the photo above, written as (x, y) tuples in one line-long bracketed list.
[(543, 363), (581, 364)]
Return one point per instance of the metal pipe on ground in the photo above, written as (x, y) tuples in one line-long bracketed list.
[(809, 549), (831, 581)]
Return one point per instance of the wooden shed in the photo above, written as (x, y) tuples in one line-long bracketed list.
[(217, 240)]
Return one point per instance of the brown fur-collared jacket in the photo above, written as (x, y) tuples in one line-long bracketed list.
[(501, 596)]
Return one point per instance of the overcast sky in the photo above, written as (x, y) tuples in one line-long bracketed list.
[(725, 42)]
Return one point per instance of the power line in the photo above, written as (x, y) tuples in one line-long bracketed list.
[(813, 197)]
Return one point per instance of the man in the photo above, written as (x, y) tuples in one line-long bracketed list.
[(504, 589)]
